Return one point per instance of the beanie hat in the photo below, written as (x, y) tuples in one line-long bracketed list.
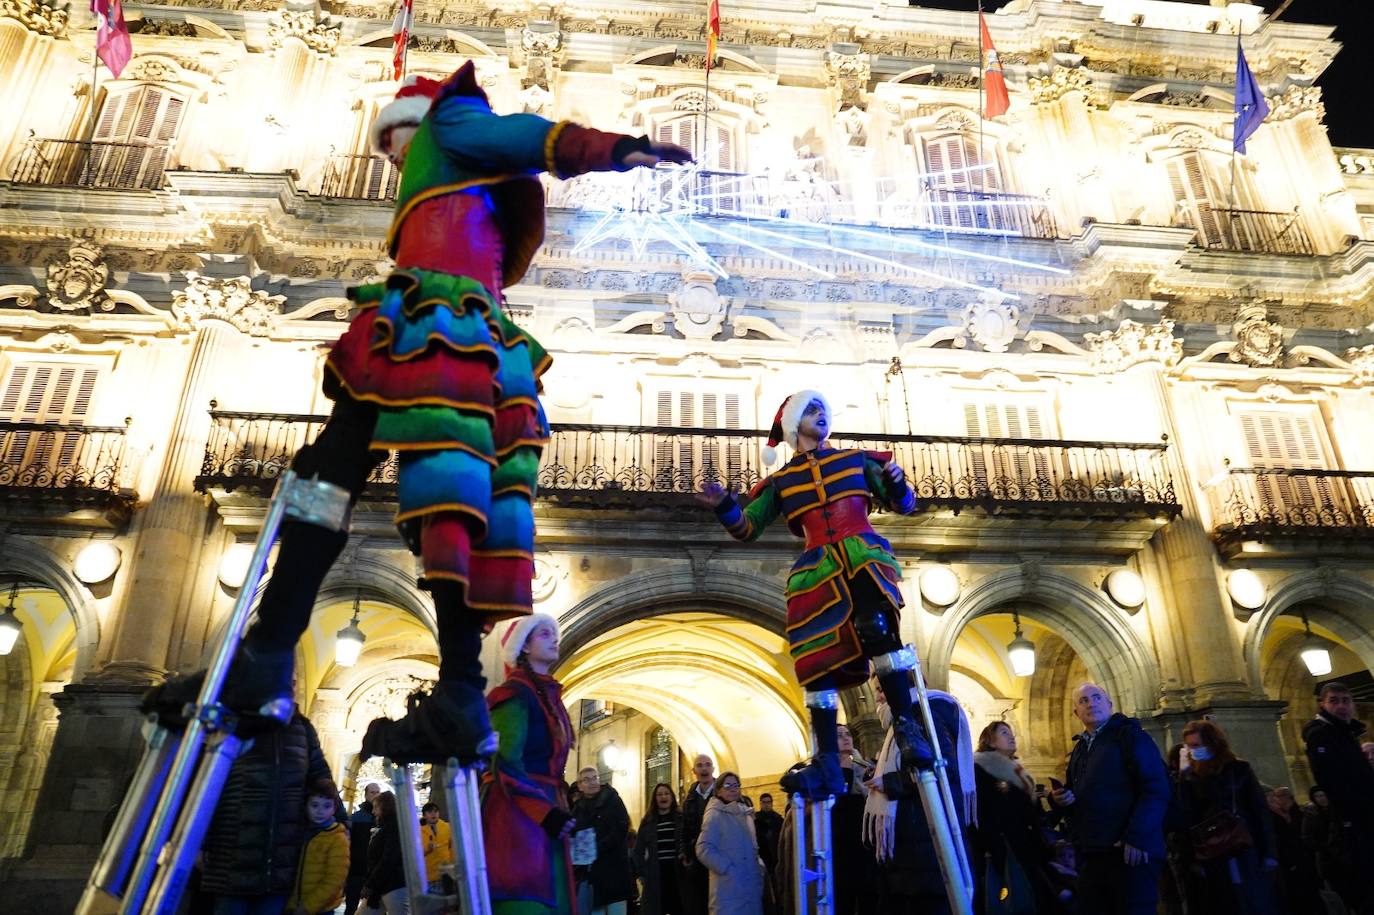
[(518, 633), (784, 428)]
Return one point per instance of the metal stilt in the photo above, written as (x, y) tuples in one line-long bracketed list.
[(814, 865), (469, 854)]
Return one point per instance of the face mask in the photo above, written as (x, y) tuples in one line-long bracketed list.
[(1201, 754)]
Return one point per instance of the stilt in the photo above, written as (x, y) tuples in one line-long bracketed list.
[(814, 863), (469, 854), (147, 858)]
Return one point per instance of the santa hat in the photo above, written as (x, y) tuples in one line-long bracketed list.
[(413, 101), (784, 428), (518, 633)]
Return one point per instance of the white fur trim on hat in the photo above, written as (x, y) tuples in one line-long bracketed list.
[(792, 413), (518, 633), (409, 110)]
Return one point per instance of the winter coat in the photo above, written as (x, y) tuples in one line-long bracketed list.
[(693, 809), (438, 844), (1121, 789), (729, 850), (1009, 823), (322, 871), (1338, 765), (359, 837), (609, 874), (385, 866), (1209, 886), (254, 843), (768, 828), (1298, 880), (644, 859)]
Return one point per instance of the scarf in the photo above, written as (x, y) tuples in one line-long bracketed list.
[(1005, 770), (880, 813)]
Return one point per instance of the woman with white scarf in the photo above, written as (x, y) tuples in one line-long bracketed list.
[(894, 821), (1012, 852)]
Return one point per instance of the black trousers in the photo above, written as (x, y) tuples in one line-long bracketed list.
[(1107, 885)]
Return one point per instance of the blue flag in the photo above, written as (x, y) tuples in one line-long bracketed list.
[(1251, 108)]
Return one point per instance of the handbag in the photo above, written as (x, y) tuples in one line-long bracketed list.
[(1222, 835)]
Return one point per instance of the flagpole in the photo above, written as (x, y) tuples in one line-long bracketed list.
[(87, 142), (982, 74), (705, 103)]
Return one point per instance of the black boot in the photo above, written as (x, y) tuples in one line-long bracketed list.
[(451, 721), (911, 740), (257, 692), (820, 779)]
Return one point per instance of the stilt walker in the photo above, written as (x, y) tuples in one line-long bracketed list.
[(430, 367)]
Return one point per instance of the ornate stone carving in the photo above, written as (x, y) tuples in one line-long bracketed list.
[(541, 41), (1060, 82), (1295, 101), (541, 38), (695, 100), (698, 309), (1133, 343), (992, 323), (1184, 100), (78, 283), (853, 124), (1259, 341), (233, 301), (313, 28), (848, 73), (170, 28), (42, 18), (956, 120), (547, 573), (1361, 358), (155, 70)]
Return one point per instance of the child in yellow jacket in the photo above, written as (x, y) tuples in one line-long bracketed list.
[(438, 841), (324, 857)]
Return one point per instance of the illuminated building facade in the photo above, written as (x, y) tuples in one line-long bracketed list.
[(1129, 375)]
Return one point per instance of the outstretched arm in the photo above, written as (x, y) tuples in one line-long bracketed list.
[(746, 523)]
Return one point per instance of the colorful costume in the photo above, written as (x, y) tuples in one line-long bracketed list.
[(842, 593), (524, 807)]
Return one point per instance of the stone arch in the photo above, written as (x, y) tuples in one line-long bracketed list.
[(1345, 612), (1096, 631), (672, 590), (39, 564)]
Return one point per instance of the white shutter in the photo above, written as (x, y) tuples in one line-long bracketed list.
[(145, 116), (1189, 178), (1021, 465), (955, 172), (685, 458), (38, 392), (1281, 440)]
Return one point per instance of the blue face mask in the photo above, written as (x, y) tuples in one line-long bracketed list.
[(1201, 754)]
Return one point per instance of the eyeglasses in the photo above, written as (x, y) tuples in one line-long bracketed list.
[(731, 787)]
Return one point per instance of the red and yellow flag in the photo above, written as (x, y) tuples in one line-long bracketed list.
[(712, 32), (995, 98)]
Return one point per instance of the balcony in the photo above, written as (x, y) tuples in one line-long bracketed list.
[(349, 177), (636, 467), (79, 163), (74, 471), (1256, 231), (1293, 510)]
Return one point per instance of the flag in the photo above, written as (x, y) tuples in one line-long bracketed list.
[(712, 32), (400, 37), (995, 98), (112, 43), (1251, 108)]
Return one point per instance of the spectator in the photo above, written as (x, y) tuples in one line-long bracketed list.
[(253, 845), (601, 808), (1338, 765), (1216, 789), (729, 850), (437, 838), (1298, 882), (694, 876), (1324, 836), (1367, 748), (1011, 843), (655, 855), (323, 866), (359, 836), (1115, 797), (768, 830), (385, 887), (856, 870)]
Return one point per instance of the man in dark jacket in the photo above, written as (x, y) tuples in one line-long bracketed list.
[(695, 877), (1339, 766), (1115, 797), (768, 829), (600, 808), (251, 849), (359, 835)]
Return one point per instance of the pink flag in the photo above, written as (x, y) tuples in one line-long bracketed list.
[(400, 36), (112, 44)]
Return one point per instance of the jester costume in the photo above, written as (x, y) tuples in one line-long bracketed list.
[(524, 807), (843, 596), (432, 368)]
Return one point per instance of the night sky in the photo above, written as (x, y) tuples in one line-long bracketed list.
[(1346, 84)]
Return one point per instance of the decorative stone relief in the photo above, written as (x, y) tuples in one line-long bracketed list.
[(155, 69), (1295, 101), (78, 283), (170, 28), (547, 573), (1259, 341), (542, 42), (233, 301), (1133, 343), (853, 124), (313, 28), (848, 72), (698, 309), (1060, 82), (42, 18), (1361, 358), (992, 323)]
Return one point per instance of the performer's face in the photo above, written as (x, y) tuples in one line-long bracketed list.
[(397, 141), (815, 424), (543, 644)]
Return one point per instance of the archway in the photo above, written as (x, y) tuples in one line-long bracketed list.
[(719, 684)]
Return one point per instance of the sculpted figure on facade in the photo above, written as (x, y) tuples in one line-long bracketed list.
[(41, 18), (1133, 343), (1259, 341), (1060, 82), (233, 301), (313, 28), (77, 284)]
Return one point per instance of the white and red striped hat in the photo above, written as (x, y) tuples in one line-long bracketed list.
[(788, 418), (413, 101), (518, 633)]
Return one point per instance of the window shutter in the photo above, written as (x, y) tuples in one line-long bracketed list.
[(1281, 440), (56, 393), (1188, 177), (1020, 465)]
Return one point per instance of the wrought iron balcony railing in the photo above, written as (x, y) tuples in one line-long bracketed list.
[(354, 177), (636, 466), (80, 163), (76, 466), (1255, 503), (1259, 231)]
